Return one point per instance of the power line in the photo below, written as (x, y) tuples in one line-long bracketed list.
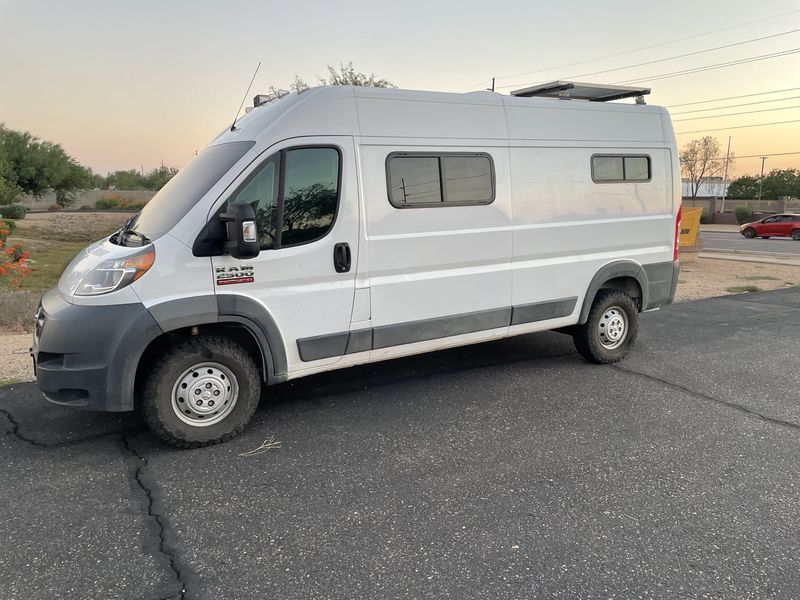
[(652, 62), (711, 67), (640, 49), (744, 112), (686, 112), (733, 97), (738, 127), (760, 155)]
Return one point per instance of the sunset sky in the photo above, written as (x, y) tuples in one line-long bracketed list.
[(128, 84)]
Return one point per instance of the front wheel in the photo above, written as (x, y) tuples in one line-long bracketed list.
[(749, 233), (610, 330), (201, 391)]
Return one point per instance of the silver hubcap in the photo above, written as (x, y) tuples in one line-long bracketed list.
[(204, 394), (613, 327)]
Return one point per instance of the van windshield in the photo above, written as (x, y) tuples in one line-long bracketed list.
[(183, 191)]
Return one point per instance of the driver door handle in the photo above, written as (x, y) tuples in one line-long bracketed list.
[(341, 257)]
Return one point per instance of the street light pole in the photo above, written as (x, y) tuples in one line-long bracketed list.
[(725, 177), (761, 179)]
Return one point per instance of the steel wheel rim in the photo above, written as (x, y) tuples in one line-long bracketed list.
[(612, 329), (204, 394)]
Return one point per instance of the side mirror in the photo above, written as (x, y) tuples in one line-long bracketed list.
[(242, 235)]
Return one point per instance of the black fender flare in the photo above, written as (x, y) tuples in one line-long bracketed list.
[(614, 270)]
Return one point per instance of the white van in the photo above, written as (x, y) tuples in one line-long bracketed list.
[(345, 225)]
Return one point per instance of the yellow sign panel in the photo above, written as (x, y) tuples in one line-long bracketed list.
[(690, 225)]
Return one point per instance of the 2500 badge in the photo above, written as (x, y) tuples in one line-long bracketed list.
[(234, 274)]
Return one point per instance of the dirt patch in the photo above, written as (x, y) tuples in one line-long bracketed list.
[(15, 362), (69, 227), (709, 277)]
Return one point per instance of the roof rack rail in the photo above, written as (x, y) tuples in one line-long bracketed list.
[(594, 92)]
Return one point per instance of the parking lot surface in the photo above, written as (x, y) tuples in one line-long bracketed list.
[(510, 469)]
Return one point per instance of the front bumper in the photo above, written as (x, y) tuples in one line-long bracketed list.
[(86, 356)]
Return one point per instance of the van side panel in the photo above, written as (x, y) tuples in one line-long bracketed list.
[(431, 262), (566, 226)]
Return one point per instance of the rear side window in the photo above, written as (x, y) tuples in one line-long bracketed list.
[(295, 195), (426, 180), (608, 168)]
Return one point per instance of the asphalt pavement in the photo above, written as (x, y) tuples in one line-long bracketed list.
[(736, 242), (510, 469)]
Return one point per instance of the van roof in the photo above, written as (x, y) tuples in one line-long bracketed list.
[(483, 115)]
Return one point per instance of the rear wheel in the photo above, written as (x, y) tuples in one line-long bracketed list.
[(749, 232), (796, 235), (610, 330), (202, 391)]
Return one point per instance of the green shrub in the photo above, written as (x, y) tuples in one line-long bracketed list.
[(704, 220), (119, 202), (14, 211), (743, 214)]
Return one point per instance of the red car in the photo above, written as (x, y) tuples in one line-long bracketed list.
[(774, 226)]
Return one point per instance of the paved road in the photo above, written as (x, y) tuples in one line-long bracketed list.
[(507, 470), (732, 242)]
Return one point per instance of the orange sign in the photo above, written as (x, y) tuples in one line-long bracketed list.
[(690, 226)]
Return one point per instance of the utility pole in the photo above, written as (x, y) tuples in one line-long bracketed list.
[(761, 179), (725, 177)]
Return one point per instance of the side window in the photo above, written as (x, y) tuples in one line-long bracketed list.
[(417, 180), (770, 220), (261, 192), (616, 169), (311, 188), (295, 194)]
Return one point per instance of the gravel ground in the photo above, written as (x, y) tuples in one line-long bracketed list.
[(706, 278)]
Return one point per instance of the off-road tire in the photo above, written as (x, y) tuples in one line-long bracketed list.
[(749, 233), (587, 338), (164, 374)]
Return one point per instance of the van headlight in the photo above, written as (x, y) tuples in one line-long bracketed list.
[(114, 274)]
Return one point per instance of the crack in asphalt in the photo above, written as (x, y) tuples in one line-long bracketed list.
[(181, 572), (732, 405), (17, 433)]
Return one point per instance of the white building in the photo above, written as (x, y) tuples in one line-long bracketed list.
[(711, 187)]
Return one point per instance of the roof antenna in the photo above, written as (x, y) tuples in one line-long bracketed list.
[(233, 125)]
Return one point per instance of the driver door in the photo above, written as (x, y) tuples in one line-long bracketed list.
[(305, 198)]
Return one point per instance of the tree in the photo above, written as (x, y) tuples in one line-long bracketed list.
[(347, 75), (700, 161), (344, 75), (776, 183), (781, 182), (743, 188), (36, 167)]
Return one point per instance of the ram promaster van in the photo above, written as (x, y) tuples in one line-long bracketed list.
[(345, 225)]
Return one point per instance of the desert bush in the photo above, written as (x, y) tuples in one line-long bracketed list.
[(743, 214), (13, 264), (7, 228), (14, 211), (119, 202), (17, 308), (85, 207), (704, 220), (54, 208)]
